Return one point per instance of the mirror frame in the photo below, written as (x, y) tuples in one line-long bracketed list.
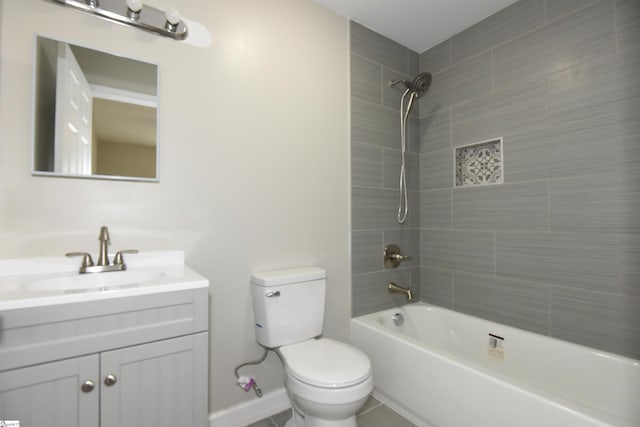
[(32, 141)]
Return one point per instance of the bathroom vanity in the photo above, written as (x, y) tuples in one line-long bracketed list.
[(124, 349)]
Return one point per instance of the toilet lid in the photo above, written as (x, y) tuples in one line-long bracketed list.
[(326, 363)]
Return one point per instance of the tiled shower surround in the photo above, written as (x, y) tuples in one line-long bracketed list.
[(375, 171), (555, 249)]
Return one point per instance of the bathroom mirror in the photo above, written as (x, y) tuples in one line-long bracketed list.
[(95, 114)]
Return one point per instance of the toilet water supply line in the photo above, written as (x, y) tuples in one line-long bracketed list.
[(248, 382)]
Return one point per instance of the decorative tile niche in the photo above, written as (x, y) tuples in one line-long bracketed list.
[(480, 163)]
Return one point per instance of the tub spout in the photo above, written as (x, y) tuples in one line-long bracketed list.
[(392, 287)]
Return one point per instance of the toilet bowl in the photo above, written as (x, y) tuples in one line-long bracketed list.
[(327, 380)]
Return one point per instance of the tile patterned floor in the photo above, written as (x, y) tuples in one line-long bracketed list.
[(372, 414)]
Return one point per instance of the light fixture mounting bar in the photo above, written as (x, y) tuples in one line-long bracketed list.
[(148, 19)]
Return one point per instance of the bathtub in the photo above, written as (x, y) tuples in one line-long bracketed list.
[(446, 369)]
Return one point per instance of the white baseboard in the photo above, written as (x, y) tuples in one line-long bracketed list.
[(245, 413)]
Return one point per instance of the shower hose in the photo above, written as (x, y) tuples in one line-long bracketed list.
[(403, 207)]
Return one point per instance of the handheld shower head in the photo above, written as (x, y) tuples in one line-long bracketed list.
[(412, 90)]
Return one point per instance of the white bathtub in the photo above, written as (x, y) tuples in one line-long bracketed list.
[(440, 370)]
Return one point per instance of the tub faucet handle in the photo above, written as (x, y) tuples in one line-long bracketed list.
[(393, 256)]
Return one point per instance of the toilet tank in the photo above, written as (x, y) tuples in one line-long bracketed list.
[(288, 305)]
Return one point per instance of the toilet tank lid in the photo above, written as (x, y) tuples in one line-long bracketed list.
[(287, 276)]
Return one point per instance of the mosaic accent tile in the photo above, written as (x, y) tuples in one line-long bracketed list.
[(479, 164)]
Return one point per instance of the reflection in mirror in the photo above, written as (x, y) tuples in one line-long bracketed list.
[(95, 114)]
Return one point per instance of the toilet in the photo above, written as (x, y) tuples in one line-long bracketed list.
[(327, 380)]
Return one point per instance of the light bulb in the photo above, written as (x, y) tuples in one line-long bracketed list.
[(173, 17), (134, 5)]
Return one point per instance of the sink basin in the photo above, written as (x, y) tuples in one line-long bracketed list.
[(49, 281), (92, 281)]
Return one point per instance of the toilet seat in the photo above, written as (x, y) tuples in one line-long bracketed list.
[(326, 363)]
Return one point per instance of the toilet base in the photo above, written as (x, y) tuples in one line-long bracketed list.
[(296, 420), (291, 423), (310, 421), (326, 408)]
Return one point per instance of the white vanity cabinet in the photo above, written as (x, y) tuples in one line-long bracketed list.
[(116, 362), (49, 395), (156, 384)]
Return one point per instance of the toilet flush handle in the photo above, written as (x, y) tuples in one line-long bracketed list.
[(272, 294)]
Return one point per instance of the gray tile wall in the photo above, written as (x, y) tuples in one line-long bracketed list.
[(556, 248), (375, 171)]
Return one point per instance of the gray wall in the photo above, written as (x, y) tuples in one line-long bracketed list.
[(554, 249), (375, 171)]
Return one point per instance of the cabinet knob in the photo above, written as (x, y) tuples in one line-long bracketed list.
[(110, 380), (87, 386)]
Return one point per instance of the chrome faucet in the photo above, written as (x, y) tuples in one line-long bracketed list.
[(392, 287), (104, 264), (105, 241)]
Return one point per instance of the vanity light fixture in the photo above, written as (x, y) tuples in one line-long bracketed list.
[(133, 9), (173, 19), (135, 14)]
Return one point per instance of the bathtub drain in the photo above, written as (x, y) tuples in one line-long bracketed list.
[(398, 319)]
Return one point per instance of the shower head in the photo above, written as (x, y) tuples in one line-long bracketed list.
[(421, 84), (418, 86)]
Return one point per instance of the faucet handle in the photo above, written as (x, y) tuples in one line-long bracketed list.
[(118, 258), (393, 256), (87, 261)]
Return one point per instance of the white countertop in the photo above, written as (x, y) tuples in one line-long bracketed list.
[(167, 269)]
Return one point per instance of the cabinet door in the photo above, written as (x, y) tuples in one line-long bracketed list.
[(50, 394), (160, 384)]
